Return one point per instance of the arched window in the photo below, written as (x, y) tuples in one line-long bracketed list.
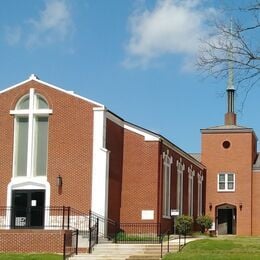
[(180, 169), (200, 191), (30, 136), (190, 191), (167, 162)]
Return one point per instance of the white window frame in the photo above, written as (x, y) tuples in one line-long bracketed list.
[(200, 181), (166, 207), (226, 189), (31, 113), (191, 190), (179, 198)]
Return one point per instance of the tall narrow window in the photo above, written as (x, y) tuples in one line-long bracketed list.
[(167, 161), (21, 146), (190, 192), (31, 136), (180, 170), (200, 181)]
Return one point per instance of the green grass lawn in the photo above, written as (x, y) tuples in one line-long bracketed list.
[(30, 256), (224, 248)]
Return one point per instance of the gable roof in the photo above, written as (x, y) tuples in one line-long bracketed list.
[(152, 136), (147, 134), (33, 77), (227, 128)]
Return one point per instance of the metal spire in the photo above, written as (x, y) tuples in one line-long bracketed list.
[(230, 85)]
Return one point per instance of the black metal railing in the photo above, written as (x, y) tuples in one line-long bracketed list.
[(70, 243), (165, 241), (92, 226), (93, 235), (107, 227), (182, 236), (59, 217), (138, 233)]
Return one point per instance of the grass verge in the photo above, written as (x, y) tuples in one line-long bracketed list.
[(225, 248)]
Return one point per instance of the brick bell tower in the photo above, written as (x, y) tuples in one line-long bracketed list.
[(228, 151)]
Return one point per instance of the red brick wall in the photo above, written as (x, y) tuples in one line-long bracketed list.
[(29, 241), (237, 159), (142, 183), (140, 177), (167, 223), (115, 143), (256, 204), (69, 146)]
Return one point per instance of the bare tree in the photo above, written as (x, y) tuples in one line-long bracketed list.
[(239, 47)]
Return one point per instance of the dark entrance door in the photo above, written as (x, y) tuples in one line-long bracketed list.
[(225, 221), (28, 208)]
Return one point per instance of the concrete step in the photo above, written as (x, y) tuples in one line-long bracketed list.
[(99, 257), (143, 257), (107, 251)]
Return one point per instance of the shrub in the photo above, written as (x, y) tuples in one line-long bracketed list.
[(205, 223), (184, 224)]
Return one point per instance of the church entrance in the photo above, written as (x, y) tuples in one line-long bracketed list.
[(28, 208), (226, 219)]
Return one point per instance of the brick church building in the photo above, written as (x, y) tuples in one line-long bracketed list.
[(58, 148)]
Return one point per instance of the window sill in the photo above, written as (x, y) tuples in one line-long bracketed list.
[(226, 190)]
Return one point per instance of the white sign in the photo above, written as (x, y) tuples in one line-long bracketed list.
[(175, 212), (34, 203), (20, 221), (147, 214)]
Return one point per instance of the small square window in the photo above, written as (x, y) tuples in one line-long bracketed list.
[(226, 182)]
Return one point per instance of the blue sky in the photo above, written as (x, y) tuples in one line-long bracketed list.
[(134, 56)]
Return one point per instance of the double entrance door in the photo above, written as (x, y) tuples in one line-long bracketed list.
[(227, 220), (28, 208)]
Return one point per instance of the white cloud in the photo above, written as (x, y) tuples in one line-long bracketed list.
[(54, 24), (172, 27), (13, 35)]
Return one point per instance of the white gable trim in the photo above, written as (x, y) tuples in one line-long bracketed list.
[(51, 86), (148, 136), (115, 119)]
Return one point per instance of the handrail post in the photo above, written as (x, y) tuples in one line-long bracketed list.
[(64, 246), (97, 230), (161, 246), (168, 247), (77, 240), (179, 241), (68, 224), (89, 241), (115, 232)]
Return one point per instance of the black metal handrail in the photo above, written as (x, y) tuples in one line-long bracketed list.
[(93, 236), (70, 243), (107, 226), (162, 238)]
